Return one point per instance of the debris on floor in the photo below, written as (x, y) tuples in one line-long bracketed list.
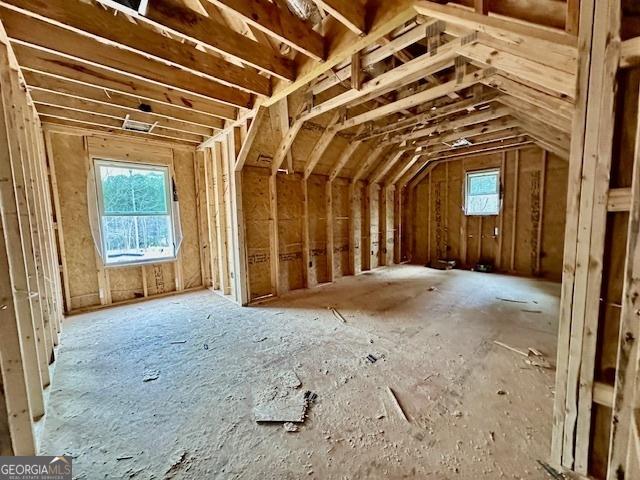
[(281, 401), (511, 300), (338, 315), (371, 358), (290, 426), (551, 471), (396, 403), (310, 397), (182, 463), (533, 356), (483, 267), (513, 349), (177, 342), (151, 374), (279, 404)]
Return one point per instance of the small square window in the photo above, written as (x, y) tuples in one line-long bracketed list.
[(134, 204), (482, 195)]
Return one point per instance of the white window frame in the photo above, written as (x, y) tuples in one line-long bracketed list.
[(473, 173), (97, 163)]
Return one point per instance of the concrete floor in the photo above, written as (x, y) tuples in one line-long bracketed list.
[(475, 409)]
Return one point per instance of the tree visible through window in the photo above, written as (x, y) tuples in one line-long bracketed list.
[(482, 196), (135, 212)]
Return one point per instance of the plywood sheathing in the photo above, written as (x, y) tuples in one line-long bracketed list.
[(90, 285), (443, 231)]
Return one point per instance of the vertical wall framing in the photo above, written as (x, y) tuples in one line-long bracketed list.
[(30, 286), (224, 230), (596, 405)]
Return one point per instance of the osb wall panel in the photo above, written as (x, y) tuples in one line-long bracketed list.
[(341, 218), (406, 219), (441, 230), (419, 227), (71, 154), (365, 232), (357, 220), (255, 197), (374, 225), (290, 204), (389, 233), (71, 163), (317, 202), (184, 167)]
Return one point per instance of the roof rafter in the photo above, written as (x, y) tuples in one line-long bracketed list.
[(183, 21), (139, 35), (59, 65), (279, 23), (61, 86), (351, 13), (40, 35)]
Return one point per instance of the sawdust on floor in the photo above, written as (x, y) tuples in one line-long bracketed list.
[(475, 409)]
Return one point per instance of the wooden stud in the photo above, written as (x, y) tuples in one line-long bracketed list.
[(503, 164), (330, 232), (543, 176), (514, 211), (274, 247)]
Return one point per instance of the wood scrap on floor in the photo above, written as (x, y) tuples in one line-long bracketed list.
[(510, 300), (533, 356), (396, 403), (338, 315)]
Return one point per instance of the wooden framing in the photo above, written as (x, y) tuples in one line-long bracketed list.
[(30, 294), (394, 90)]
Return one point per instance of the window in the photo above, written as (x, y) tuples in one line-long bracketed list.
[(139, 6), (482, 196), (134, 205)]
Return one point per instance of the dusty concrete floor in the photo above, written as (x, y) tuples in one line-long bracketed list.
[(476, 410)]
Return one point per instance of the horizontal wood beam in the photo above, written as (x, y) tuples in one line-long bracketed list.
[(513, 88), (562, 84), (139, 35), (381, 53), (630, 53), (619, 200), (180, 19), (351, 13), (53, 99), (501, 125), (37, 34), (86, 73), (278, 22), (342, 43), (496, 26), (532, 111), (419, 67), (468, 104), (418, 98), (445, 125), (100, 129), (111, 122), (49, 85)]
